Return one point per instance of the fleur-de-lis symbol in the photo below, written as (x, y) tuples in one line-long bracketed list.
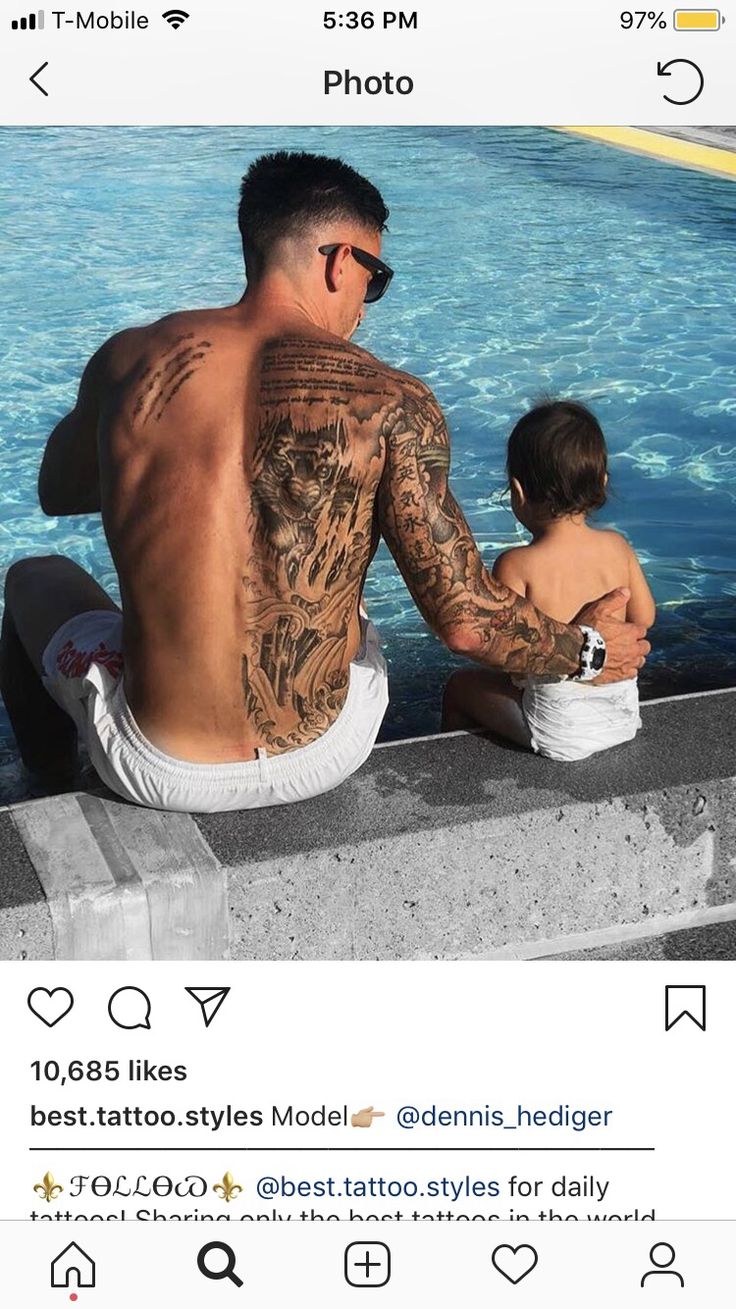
[(48, 1189), (228, 1188)]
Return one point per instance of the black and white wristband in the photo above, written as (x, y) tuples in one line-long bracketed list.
[(592, 655)]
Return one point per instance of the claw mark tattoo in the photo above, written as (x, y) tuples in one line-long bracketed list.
[(342, 449), (163, 380)]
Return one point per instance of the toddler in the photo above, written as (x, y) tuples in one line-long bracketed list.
[(557, 472)]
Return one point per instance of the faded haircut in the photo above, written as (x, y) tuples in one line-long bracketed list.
[(285, 193)]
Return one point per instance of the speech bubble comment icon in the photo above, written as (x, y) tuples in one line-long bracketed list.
[(129, 1007)]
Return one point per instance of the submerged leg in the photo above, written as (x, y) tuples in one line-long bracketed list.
[(46, 736), (40, 595), (476, 698)]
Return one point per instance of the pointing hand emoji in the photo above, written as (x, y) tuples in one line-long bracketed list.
[(364, 1117)]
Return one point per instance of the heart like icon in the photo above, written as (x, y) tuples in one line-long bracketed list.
[(514, 1262), (50, 1006)]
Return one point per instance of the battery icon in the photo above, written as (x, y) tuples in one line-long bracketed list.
[(697, 20)]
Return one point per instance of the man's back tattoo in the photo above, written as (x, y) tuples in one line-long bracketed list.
[(315, 471)]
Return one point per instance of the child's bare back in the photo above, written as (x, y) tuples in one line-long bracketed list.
[(570, 563)]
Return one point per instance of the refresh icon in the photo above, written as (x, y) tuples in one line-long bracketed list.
[(665, 70)]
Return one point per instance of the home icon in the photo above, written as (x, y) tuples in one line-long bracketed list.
[(72, 1268)]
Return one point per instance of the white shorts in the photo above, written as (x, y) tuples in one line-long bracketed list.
[(83, 672), (569, 720)]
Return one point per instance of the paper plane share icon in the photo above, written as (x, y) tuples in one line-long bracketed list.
[(209, 998)]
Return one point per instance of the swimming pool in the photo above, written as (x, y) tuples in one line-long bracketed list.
[(526, 260)]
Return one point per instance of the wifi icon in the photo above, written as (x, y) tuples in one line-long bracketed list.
[(175, 17)]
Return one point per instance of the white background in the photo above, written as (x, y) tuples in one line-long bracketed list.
[(304, 1266), (453, 1035), (471, 62), (386, 1034)]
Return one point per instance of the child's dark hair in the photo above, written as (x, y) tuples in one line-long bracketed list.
[(557, 453)]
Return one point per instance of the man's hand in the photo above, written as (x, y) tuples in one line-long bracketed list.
[(626, 647)]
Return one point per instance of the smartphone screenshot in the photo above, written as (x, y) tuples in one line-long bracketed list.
[(368, 654)]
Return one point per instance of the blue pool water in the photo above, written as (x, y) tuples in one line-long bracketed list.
[(526, 261)]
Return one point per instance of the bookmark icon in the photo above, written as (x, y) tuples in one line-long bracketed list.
[(684, 1002)]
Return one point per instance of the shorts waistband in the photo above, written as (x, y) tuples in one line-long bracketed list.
[(288, 764)]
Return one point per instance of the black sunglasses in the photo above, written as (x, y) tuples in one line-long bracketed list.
[(381, 273)]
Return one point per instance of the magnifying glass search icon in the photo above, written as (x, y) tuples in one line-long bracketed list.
[(218, 1274)]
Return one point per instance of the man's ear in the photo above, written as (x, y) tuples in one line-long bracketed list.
[(335, 271), (517, 491)]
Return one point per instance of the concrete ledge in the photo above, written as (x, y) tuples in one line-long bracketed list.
[(716, 940), (25, 920), (457, 847)]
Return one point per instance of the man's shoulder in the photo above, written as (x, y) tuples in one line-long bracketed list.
[(123, 350), (412, 387), (412, 394), (332, 353), (333, 349)]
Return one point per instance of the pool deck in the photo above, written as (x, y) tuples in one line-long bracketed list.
[(707, 149), (449, 847)]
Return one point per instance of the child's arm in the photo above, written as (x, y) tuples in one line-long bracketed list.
[(641, 607), (507, 571)]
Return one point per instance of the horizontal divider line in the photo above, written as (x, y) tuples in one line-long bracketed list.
[(342, 1149)]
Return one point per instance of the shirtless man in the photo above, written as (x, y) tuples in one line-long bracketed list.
[(245, 461)]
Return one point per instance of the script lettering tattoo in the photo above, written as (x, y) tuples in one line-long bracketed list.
[(316, 466), (162, 381), (440, 561)]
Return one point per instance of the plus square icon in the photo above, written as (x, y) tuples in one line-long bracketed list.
[(367, 1263)]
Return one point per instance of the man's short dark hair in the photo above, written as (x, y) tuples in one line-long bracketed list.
[(557, 453), (283, 194)]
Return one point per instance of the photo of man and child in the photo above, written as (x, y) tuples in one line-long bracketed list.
[(252, 514)]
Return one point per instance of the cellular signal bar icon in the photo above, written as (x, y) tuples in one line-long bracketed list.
[(33, 23)]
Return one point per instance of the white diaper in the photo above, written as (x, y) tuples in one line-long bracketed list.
[(572, 720), (83, 666)]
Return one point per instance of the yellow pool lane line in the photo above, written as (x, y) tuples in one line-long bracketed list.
[(688, 154)]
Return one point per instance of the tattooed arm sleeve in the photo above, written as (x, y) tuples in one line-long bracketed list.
[(432, 544), (69, 480)]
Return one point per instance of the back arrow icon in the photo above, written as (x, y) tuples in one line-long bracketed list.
[(33, 77), (663, 70)]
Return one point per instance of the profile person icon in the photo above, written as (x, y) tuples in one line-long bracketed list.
[(662, 1256)]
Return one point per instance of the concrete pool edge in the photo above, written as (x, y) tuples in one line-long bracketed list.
[(716, 160), (445, 848), (661, 699)]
